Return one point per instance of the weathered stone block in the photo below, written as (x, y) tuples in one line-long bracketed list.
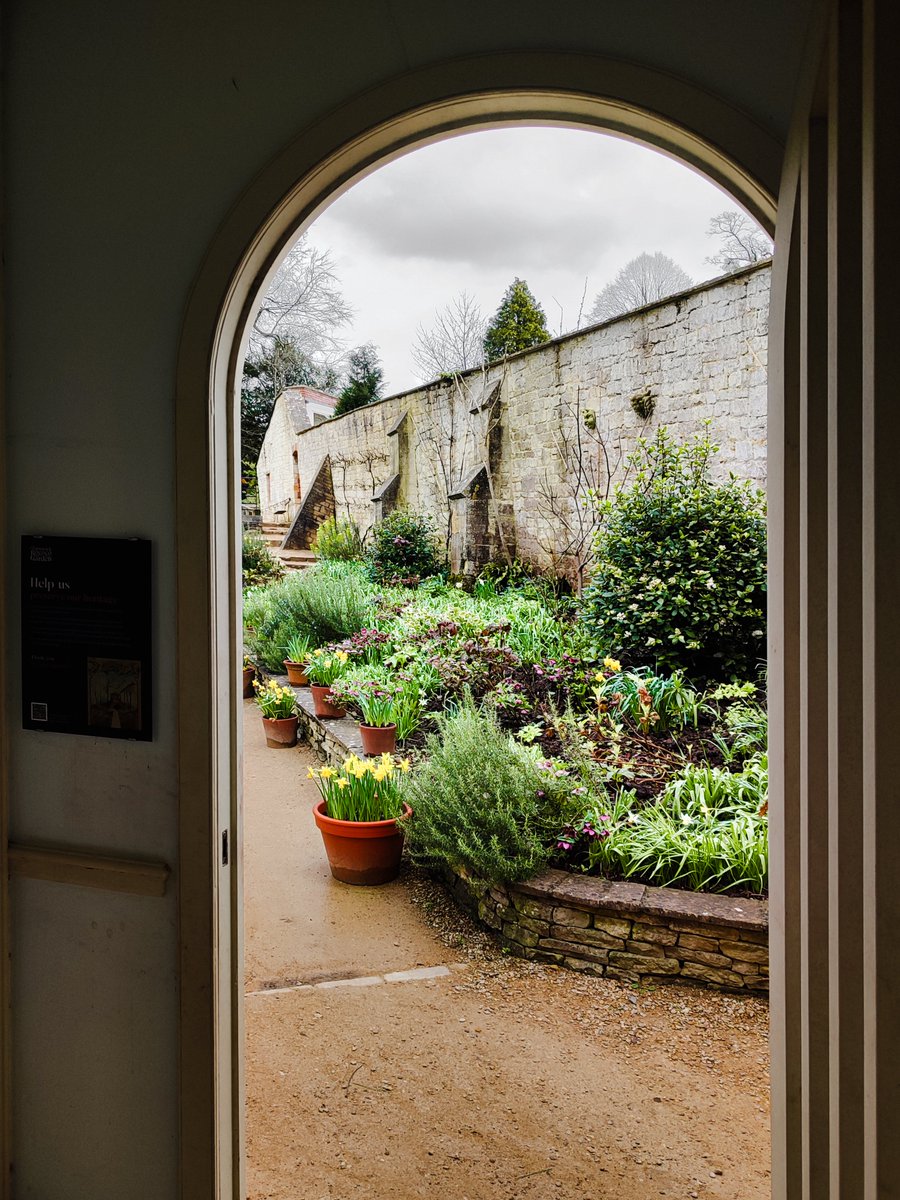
[(523, 937), (570, 949), (714, 975), (703, 956), (746, 951), (660, 934), (571, 916), (532, 908), (638, 963), (587, 937), (612, 925), (647, 949), (692, 942)]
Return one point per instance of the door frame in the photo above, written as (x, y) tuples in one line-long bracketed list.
[(326, 158)]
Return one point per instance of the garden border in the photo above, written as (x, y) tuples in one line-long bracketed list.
[(625, 931)]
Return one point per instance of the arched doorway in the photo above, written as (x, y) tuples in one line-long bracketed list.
[(411, 111)]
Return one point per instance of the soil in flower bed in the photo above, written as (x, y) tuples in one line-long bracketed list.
[(652, 758)]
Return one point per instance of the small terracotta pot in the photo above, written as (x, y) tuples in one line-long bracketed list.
[(378, 739), (361, 852), (295, 673), (249, 673), (322, 705), (280, 733)]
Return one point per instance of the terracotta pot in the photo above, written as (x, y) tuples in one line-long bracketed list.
[(378, 739), (295, 673), (249, 673), (280, 733), (361, 852), (322, 702)]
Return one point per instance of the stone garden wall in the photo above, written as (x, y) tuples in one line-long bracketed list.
[(502, 459)]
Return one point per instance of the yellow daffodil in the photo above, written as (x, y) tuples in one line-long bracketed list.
[(327, 772), (310, 773), (612, 664), (342, 782), (379, 774), (404, 765)]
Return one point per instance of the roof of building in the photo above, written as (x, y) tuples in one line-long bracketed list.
[(297, 398)]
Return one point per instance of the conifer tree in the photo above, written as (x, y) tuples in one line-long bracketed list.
[(363, 380), (518, 323)]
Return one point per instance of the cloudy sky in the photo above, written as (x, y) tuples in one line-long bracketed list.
[(556, 207)]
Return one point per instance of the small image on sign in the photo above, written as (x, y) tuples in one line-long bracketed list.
[(114, 693), (38, 711)]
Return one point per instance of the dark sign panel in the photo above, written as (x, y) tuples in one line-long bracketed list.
[(86, 636)]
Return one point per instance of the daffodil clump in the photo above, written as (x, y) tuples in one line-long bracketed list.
[(362, 789), (275, 702), (326, 665)]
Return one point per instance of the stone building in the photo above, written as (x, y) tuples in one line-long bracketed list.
[(278, 470), (502, 459)]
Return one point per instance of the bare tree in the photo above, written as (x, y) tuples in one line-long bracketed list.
[(568, 498), (743, 242), (304, 303), (644, 280), (453, 343)]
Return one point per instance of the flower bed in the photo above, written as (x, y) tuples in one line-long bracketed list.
[(625, 931)]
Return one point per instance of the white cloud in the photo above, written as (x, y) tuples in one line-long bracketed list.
[(552, 206)]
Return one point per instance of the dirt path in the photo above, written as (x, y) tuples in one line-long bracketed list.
[(393, 1052)]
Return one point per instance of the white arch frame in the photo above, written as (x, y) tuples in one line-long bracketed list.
[(411, 110)]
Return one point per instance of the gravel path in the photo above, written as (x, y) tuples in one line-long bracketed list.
[(394, 1051)]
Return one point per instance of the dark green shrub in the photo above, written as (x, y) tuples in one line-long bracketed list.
[(680, 576), (479, 801), (403, 548), (338, 541), (258, 564)]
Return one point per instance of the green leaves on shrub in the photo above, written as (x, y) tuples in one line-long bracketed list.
[(680, 576), (258, 564), (325, 603), (338, 541), (403, 548), (475, 801)]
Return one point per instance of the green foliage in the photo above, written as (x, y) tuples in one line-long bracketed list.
[(654, 702), (325, 603), (747, 727), (708, 831), (680, 575), (275, 702), (258, 564), (475, 801), (338, 540), (403, 547), (518, 323), (364, 380)]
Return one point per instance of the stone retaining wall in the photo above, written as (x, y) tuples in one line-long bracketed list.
[(621, 930), (625, 930)]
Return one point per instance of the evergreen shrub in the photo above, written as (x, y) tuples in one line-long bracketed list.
[(403, 548), (680, 575)]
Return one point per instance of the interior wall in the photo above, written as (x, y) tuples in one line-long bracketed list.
[(129, 132)]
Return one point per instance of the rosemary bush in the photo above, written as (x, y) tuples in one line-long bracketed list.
[(338, 540), (476, 801)]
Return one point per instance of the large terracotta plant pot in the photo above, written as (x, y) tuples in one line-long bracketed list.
[(361, 852), (249, 673), (378, 739), (280, 733), (322, 702), (295, 673)]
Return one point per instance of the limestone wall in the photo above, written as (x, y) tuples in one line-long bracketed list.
[(503, 459)]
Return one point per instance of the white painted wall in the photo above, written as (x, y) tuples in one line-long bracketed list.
[(129, 132)]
